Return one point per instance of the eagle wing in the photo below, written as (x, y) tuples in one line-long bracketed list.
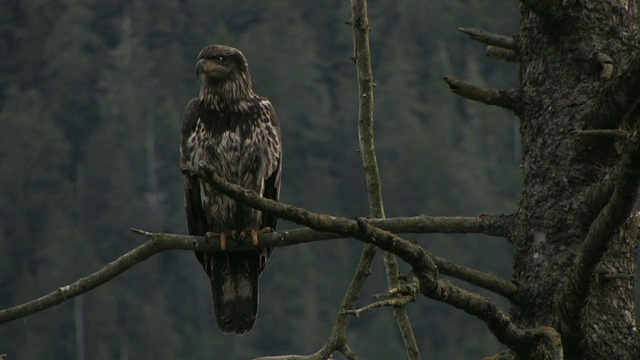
[(272, 182), (196, 217)]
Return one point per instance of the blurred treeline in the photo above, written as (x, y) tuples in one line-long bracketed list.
[(91, 97)]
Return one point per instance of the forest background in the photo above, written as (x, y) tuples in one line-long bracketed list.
[(91, 98)]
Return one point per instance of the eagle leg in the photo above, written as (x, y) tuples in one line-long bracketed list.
[(223, 237)]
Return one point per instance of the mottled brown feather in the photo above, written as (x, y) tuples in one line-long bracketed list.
[(234, 133)]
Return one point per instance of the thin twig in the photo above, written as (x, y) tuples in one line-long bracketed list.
[(85, 284), (393, 302), (398, 296), (362, 52), (338, 338), (365, 114)]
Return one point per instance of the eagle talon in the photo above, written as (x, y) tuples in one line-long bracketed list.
[(223, 238), (255, 232), (254, 237)]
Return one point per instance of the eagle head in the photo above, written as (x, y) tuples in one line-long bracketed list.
[(224, 72)]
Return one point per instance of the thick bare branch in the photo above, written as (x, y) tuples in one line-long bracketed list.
[(484, 280), (499, 53), (491, 225), (543, 340), (502, 41), (504, 98), (162, 242), (423, 267), (603, 228)]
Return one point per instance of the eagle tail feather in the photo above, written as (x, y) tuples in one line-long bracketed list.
[(234, 291)]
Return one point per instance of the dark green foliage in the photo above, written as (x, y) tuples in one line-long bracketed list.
[(91, 97)]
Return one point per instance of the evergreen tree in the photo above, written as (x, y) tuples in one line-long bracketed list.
[(110, 81), (71, 56), (37, 218)]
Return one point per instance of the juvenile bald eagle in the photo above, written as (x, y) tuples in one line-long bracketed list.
[(235, 134)]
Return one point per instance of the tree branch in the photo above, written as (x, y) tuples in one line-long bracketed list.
[(110, 271), (400, 295), (362, 55), (361, 29), (159, 242), (501, 53), (503, 98), (423, 267), (491, 225), (525, 343), (399, 301), (502, 41), (476, 277), (577, 283)]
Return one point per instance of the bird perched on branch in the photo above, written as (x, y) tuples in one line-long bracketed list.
[(233, 133)]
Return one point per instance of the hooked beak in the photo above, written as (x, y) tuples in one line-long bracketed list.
[(210, 67), (200, 67)]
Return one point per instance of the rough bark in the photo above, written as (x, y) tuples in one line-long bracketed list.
[(576, 59)]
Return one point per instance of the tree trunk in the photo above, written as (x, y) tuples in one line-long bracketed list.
[(571, 52)]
